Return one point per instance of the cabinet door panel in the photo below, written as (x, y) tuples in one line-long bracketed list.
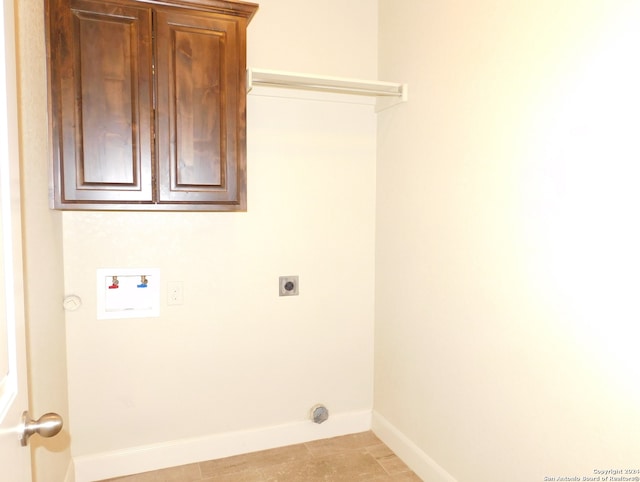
[(106, 110), (197, 102), (201, 112), (105, 81)]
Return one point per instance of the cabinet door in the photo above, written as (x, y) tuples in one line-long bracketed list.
[(200, 70), (102, 103)]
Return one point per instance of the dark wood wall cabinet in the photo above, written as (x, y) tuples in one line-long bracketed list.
[(147, 104)]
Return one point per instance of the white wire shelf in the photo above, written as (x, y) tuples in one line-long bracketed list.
[(387, 93)]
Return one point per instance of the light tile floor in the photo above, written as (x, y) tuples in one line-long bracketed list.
[(357, 457)]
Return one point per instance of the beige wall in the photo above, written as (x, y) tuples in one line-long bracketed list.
[(235, 356), (42, 251), (507, 237)]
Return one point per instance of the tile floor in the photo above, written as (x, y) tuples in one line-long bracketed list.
[(357, 457)]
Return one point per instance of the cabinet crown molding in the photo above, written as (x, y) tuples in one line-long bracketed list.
[(235, 8)]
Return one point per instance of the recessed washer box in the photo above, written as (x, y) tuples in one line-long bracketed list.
[(128, 293)]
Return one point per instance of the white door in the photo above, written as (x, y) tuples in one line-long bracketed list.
[(14, 459)]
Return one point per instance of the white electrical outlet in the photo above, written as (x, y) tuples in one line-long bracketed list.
[(175, 293)]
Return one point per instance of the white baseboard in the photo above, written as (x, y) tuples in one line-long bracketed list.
[(424, 466), (89, 468)]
